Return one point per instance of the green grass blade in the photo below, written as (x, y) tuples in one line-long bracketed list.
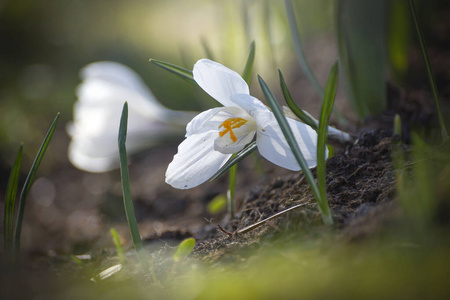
[(127, 200), (299, 48), (231, 189), (398, 39), (184, 249), (217, 204), (29, 183), (118, 245), (294, 107), (79, 262), (327, 108), (181, 72), (426, 58), (10, 204), (248, 69), (206, 48), (235, 159), (361, 38), (278, 112)]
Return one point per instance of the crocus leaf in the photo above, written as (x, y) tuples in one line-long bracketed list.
[(248, 69), (29, 183), (293, 106), (181, 72), (361, 36), (10, 203), (127, 200), (327, 108), (184, 249), (287, 132), (235, 159)]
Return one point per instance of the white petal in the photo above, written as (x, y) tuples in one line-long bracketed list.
[(218, 81), (252, 105), (244, 135), (274, 147), (195, 162), (89, 163), (109, 83), (116, 74), (97, 112), (227, 146), (212, 118), (95, 129)]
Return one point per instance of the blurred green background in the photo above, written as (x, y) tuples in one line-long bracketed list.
[(46, 43)]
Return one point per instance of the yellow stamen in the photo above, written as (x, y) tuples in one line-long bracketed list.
[(230, 124)]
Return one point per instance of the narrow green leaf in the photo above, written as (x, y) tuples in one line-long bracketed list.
[(270, 37), (10, 204), (118, 245), (235, 159), (299, 48), (246, 20), (181, 72), (127, 200), (399, 39), (397, 125), (327, 108), (287, 132), (361, 37), (431, 79), (29, 183), (79, 262), (206, 48), (294, 107), (217, 204), (184, 249), (231, 188), (248, 70)]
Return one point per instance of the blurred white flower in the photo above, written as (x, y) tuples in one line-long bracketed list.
[(214, 135), (95, 126)]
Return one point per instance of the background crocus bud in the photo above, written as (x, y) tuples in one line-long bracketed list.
[(105, 87)]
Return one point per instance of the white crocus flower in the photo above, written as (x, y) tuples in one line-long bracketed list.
[(96, 117), (214, 135)]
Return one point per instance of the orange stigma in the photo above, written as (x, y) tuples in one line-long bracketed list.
[(229, 125)]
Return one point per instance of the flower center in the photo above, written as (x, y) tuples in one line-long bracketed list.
[(229, 124)]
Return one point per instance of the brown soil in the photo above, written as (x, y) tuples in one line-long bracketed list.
[(360, 185)]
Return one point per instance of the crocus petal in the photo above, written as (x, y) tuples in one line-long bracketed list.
[(273, 146), (250, 104), (90, 163), (113, 82), (97, 112), (117, 74), (94, 148), (211, 119), (218, 81), (227, 146), (195, 162)]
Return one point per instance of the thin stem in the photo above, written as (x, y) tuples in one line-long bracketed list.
[(431, 78), (230, 192)]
